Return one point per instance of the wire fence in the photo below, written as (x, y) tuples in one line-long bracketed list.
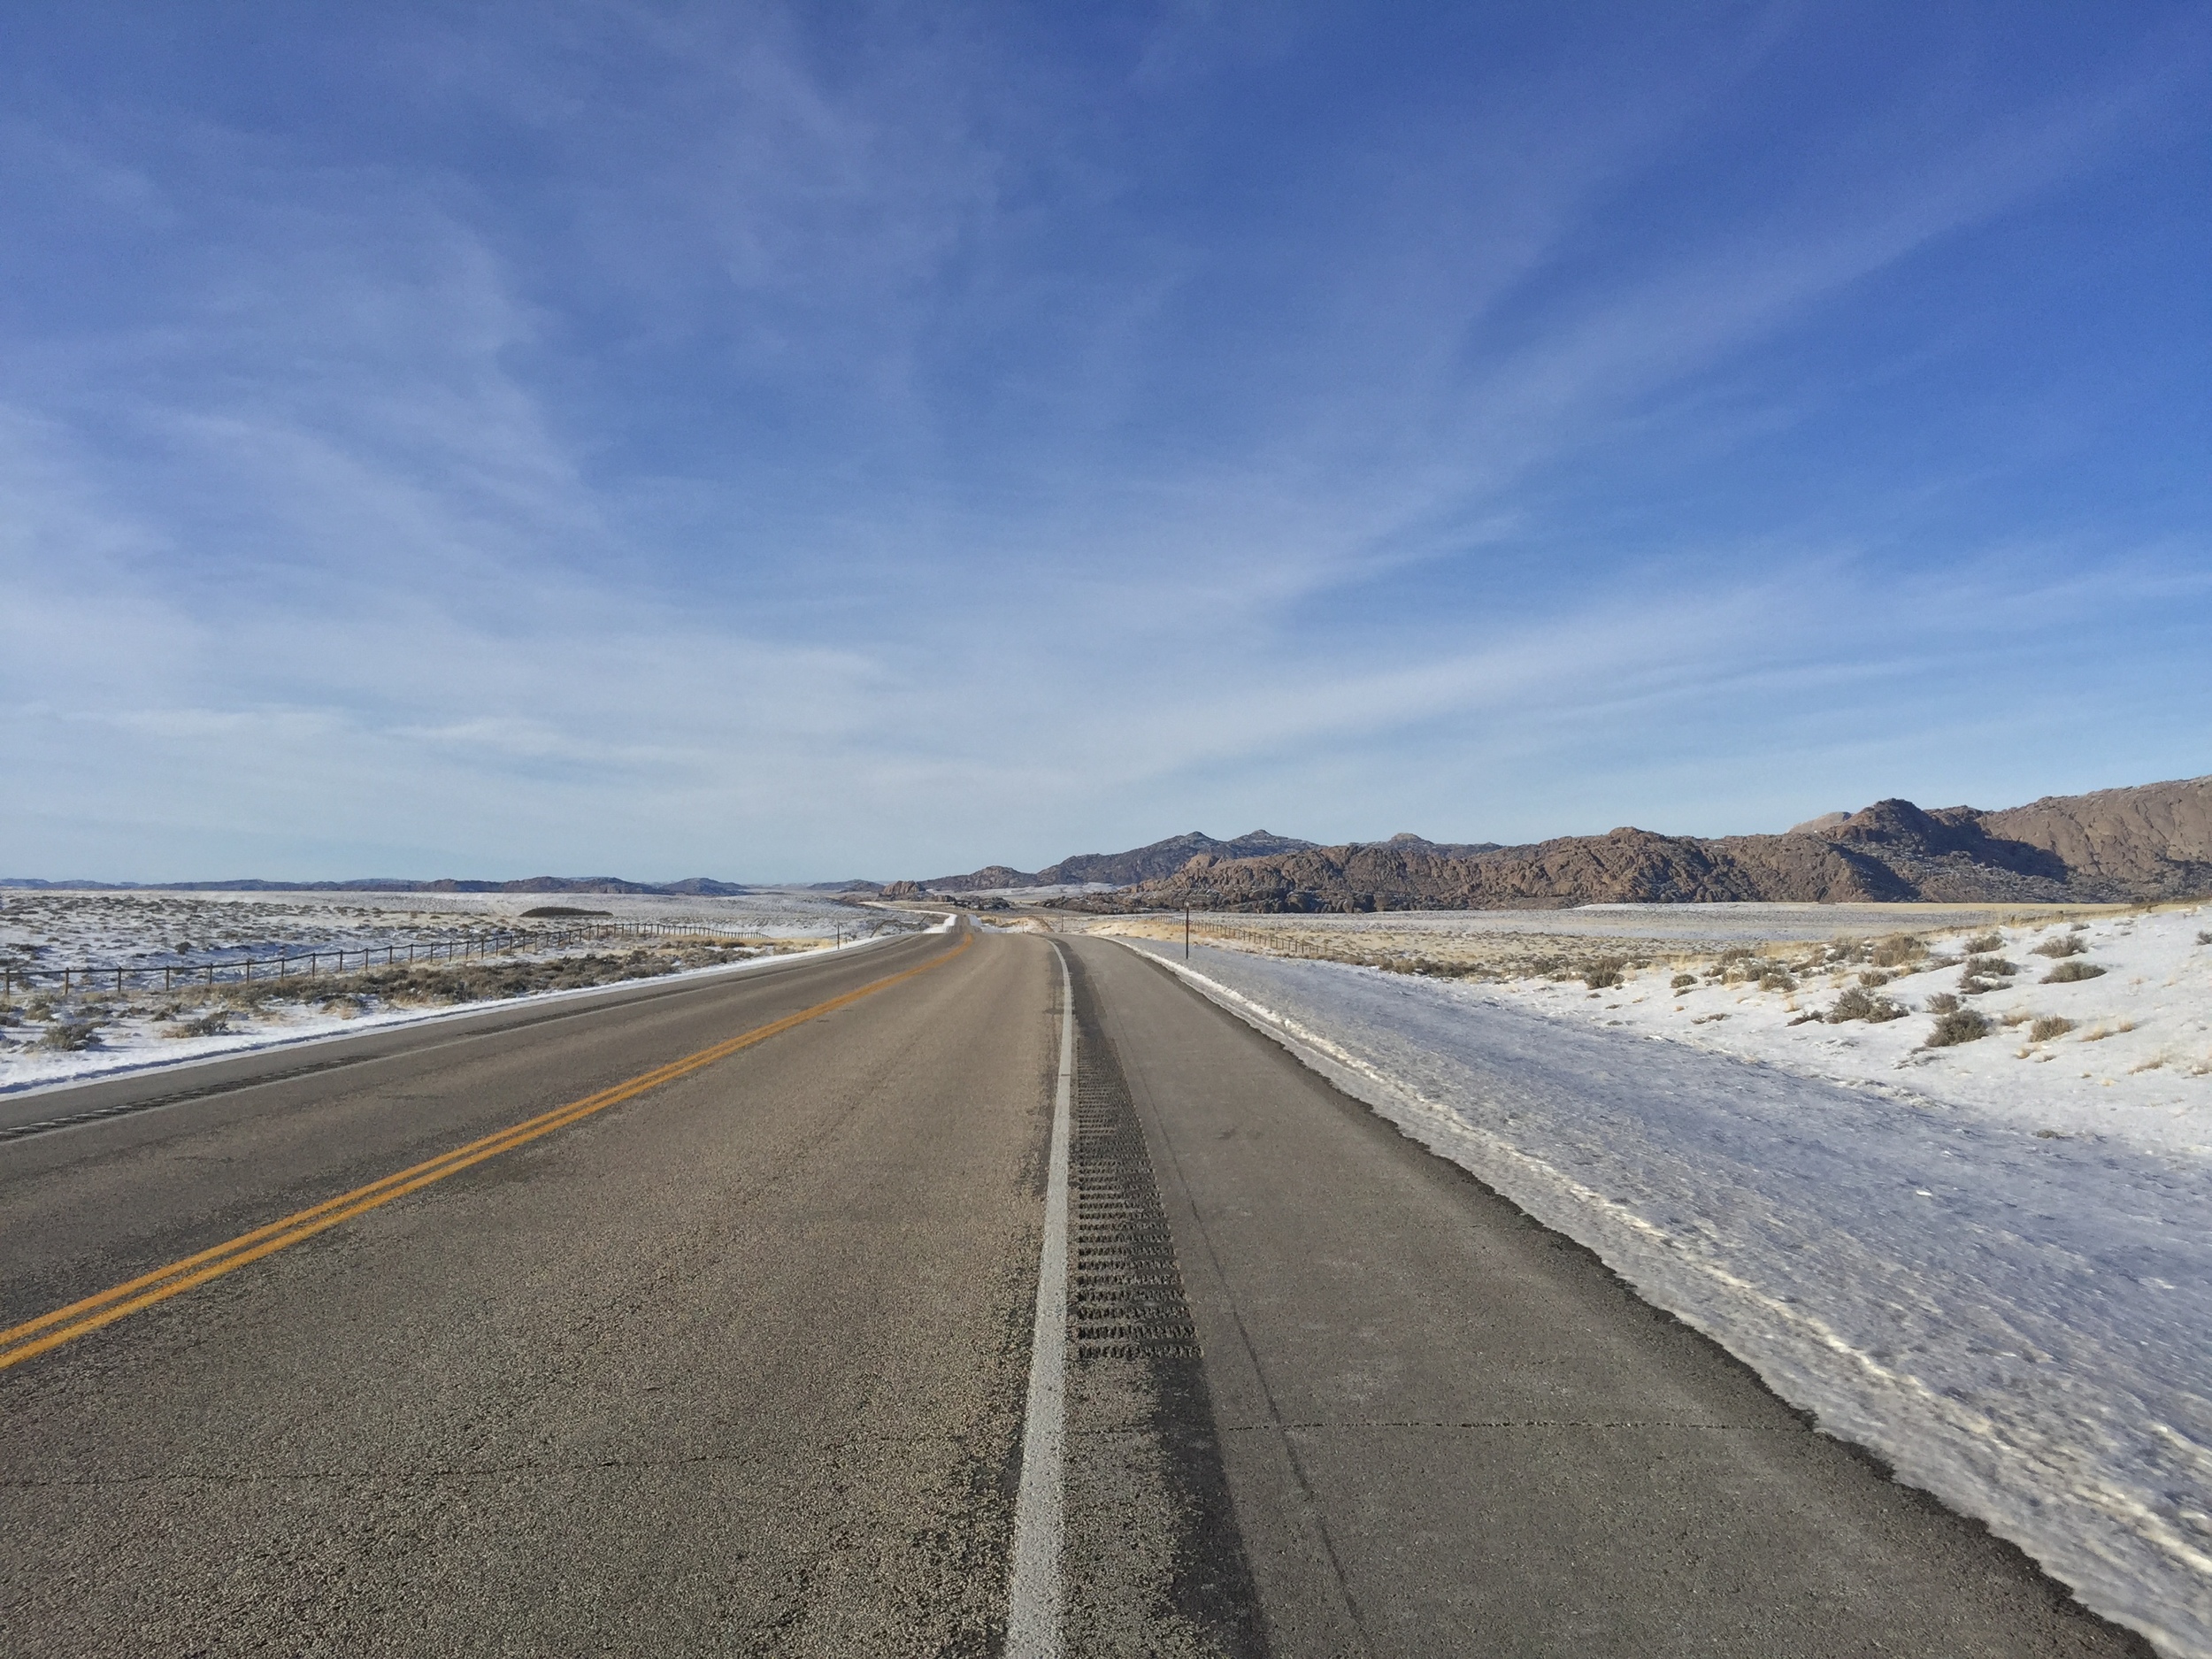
[(334, 959)]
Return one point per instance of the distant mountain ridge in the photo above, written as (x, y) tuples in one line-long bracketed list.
[(1142, 864), (691, 887), (2152, 841)]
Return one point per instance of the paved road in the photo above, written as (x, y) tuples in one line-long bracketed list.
[(1449, 1431), (736, 1361)]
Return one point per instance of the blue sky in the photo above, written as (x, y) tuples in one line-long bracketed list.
[(799, 443)]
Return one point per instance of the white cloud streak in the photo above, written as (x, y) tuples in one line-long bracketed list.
[(345, 533)]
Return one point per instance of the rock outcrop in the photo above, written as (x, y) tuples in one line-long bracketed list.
[(1142, 864), (2150, 843)]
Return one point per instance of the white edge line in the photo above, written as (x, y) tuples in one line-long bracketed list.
[(1035, 1589)]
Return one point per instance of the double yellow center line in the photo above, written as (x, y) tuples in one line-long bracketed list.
[(51, 1330)]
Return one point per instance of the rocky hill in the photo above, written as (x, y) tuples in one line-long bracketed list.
[(2150, 843), (1142, 864)]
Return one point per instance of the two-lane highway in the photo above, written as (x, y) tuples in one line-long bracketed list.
[(733, 1364), (698, 1317)]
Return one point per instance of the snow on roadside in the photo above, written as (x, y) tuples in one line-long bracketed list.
[(143, 1028), (2133, 1060), (2017, 1322), (141, 1043)]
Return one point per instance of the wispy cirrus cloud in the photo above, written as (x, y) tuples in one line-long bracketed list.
[(866, 448)]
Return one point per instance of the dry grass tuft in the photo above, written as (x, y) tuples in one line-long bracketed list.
[(215, 1022), (1858, 1004), (1963, 1025), (2069, 972), (1896, 950)]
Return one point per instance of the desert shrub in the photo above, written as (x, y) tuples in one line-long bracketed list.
[(2048, 1026), (1964, 1024), (1858, 1004), (1682, 981), (1985, 974), (1737, 963), (2203, 938), (2068, 972), (1602, 974), (1776, 979), (243, 997), (2078, 927), (1872, 977), (1896, 950), (1438, 970), (70, 1035), (2064, 945), (1982, 942), (1944, 1002), (215, 1022)]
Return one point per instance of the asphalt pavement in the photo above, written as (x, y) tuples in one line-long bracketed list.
[(696, 1319)]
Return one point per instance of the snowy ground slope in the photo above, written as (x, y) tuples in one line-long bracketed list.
[(2017, 1322), (2135, 1064), (125, 929), (140, 1029)]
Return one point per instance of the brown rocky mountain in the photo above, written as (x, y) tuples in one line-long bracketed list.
[(1142, 864), (2153, 841)]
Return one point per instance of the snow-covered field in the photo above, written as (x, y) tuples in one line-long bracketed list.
[(127, 929), (47, 1039), (1992, 1268)]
